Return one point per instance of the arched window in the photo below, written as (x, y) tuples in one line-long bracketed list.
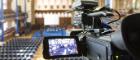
[(4, 4), (5, 26)]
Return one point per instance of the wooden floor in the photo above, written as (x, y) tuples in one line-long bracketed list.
[(38, 55)]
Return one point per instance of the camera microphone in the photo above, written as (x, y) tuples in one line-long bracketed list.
[(100, 14)]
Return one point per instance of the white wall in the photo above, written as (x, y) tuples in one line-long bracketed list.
[(13, 5)]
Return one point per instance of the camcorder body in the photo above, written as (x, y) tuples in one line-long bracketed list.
[(101, 42)]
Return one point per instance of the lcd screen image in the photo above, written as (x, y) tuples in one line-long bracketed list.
[(65, 46)]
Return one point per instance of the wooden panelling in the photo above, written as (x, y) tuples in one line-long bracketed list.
[(39, 22), (65, 21), (9, 33)]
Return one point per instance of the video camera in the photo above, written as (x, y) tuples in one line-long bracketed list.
[(91, 16), (126, 39)]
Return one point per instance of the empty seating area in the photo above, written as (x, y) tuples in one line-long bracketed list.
[(19, 49)]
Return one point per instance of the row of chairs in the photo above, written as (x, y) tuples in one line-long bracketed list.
[(19, 49), (54, 31), (51, 31)]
